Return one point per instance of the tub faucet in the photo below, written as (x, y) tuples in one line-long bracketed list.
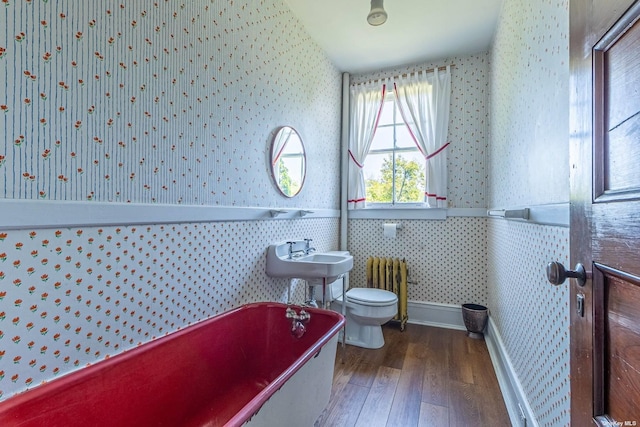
[(307, 248), (298, 321)]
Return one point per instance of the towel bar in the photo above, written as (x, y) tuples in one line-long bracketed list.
[(509, 213)]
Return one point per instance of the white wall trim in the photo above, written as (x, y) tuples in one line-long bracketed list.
[(398, 213), (415, 213), (434, 314), (466, 212), (510, 385), (21, 214), (557, 214)]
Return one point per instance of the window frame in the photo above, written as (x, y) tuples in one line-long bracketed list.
[(394, 150)]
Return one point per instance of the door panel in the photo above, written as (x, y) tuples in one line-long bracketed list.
[(617, 345), (617, 120), (622, 57), (605, 211), (622, 167)]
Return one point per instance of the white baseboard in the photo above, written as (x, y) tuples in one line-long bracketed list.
[(433, 314), (450, 316), (512, 391)]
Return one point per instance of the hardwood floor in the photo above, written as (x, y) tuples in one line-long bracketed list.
[(424, 376)]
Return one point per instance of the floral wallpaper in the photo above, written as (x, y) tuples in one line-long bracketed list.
[(446, 260), (166, 102), (529, 163), (160, 102), (531, 315), (530, 105)]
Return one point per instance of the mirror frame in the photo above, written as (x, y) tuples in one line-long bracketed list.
[(275, 158)]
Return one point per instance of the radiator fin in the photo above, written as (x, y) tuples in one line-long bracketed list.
[(390, 274)]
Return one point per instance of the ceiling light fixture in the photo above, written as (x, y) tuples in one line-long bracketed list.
[(377, 15)]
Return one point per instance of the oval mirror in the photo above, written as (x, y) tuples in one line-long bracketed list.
[(288, 161)]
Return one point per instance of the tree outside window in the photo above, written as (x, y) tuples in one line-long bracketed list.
[(290, 182)]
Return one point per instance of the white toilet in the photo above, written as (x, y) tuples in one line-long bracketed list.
[(366, 311)]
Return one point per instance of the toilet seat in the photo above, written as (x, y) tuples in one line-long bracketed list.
[(371, 297)]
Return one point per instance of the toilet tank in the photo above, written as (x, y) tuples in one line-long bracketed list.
[(336, 288)]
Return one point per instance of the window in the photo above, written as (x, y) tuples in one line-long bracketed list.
[(394, 171), (396, 164)]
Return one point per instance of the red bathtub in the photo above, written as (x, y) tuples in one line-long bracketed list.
[(218, 372)]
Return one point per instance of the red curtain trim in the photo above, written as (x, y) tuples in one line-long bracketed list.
[(438, 152), (436, 196), (354, 160), (415, 140), (277, 157), (357, 200)]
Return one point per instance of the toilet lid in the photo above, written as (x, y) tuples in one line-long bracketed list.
[(372, 296)]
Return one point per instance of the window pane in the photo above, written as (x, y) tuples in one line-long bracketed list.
[(404, 139), (378, 177), (387, 113), (398, 116), (409, 177), (383, 139)]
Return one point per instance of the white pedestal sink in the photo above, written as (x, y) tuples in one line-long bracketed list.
[(290, 260)]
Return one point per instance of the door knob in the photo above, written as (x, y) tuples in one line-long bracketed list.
[(557, 274)]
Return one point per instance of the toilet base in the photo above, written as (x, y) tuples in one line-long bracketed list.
[(364, 322), (365, 336)]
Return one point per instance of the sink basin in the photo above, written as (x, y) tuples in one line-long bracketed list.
[(323, 257), (316, 265)]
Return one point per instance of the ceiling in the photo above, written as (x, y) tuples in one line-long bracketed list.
[(416, 30)]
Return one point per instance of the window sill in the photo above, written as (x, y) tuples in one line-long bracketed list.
[(415, 213), (398, 213)]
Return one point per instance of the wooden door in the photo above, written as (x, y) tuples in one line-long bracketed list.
[(605, 211)]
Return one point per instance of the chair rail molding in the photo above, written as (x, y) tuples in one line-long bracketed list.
[(22, 214)]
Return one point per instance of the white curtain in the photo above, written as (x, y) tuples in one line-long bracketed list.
[(423, 100), (279, 143), (365, 104)]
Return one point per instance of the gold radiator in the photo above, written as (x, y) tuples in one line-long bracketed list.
[(390, 274)]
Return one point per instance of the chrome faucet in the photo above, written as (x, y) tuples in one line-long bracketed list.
[(299, 252), (307, 248), (290, 249), (298, 321)]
